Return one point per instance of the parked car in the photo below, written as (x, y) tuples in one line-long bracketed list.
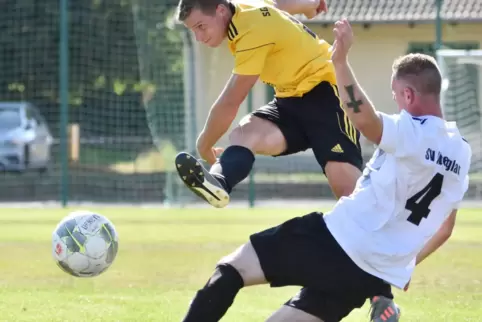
[(25, 139)]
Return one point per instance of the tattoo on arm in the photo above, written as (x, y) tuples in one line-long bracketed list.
[(353, 103)]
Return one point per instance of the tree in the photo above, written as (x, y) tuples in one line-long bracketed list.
[(106, 79)]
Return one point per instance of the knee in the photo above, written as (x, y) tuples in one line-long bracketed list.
[(342, 189), (212, 301), (225, 276), (246, 262), (244, 137), (258, 135), (342, 177)]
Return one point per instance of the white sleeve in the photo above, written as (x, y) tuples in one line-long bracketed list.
[(399, 134)]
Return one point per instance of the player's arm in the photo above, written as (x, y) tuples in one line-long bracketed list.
[(223, 112), (357, 105), (250, 55), (355, 102), (437, 240), (442, 235), (225, 108), (445, 231)]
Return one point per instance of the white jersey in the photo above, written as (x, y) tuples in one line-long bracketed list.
[(416, 177)]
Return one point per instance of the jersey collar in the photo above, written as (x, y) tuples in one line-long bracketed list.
[(232, 30), (437, 120), (232, 7)]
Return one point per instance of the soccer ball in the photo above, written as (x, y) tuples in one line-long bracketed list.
[(84, 244)]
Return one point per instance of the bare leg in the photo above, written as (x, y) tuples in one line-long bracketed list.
[(342, 177), (258, 135), (246, 262), (252, 136), (290, 314)]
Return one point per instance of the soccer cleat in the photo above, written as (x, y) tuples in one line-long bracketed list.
[(200, 181), (384, 309)]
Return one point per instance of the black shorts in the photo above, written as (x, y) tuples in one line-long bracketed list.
[(317, 121), (303, 252)]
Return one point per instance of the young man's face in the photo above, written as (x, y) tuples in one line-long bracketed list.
[(208, 29)]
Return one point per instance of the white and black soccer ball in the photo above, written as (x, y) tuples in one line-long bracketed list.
[(84, 244)]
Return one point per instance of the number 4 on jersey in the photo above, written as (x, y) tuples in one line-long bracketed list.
[(419, 203)]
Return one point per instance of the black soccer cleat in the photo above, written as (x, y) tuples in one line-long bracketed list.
[(200, 181)]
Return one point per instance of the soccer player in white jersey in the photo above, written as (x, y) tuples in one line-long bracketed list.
[(403, 207)]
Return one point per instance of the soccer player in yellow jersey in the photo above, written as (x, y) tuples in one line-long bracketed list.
[(268, 43), (271, 45)]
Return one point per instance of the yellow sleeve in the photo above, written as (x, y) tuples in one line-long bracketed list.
[(251, 61), (254, 44)]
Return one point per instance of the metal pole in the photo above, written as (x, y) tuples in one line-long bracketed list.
[(64, 99), (192, 97), (251, 184), (438, 25)]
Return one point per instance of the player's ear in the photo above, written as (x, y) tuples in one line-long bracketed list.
[(221, 10), (409, 94)]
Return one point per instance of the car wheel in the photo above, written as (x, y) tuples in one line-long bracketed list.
[(43, 170)]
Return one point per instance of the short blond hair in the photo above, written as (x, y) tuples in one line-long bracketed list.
[(420, 71)]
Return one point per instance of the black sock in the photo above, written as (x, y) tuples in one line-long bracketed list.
[(211, 303), (233, 167)]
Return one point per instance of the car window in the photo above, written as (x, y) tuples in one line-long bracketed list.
[(9, 118), (29, 115), (33, 113)]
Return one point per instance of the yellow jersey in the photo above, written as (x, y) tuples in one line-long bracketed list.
[(271, 43)]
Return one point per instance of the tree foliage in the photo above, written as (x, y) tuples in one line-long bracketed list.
[(118, 51)]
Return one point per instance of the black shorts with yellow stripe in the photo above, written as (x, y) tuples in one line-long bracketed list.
[(317, 121)]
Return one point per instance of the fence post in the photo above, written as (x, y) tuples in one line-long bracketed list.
[(251, 183), (438, 25), (64, 99)]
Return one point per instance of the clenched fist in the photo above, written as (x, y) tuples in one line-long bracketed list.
[(320, 7), (343, 41)]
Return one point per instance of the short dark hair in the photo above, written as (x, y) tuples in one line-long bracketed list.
[(420, 71), (185, 7)]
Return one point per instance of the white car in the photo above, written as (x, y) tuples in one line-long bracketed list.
[(25, 139)]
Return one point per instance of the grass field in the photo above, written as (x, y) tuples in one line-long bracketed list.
[(165, 255)]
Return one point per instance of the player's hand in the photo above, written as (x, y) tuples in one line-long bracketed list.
[(320, 7), (206, 150), (407, 286), (210, 155), (343, 41)]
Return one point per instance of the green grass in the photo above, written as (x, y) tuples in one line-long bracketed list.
[(165, 255)]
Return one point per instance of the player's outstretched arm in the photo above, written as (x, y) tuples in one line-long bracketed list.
[(223, 112), (437, 240), (310, 8), (355, 102)]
